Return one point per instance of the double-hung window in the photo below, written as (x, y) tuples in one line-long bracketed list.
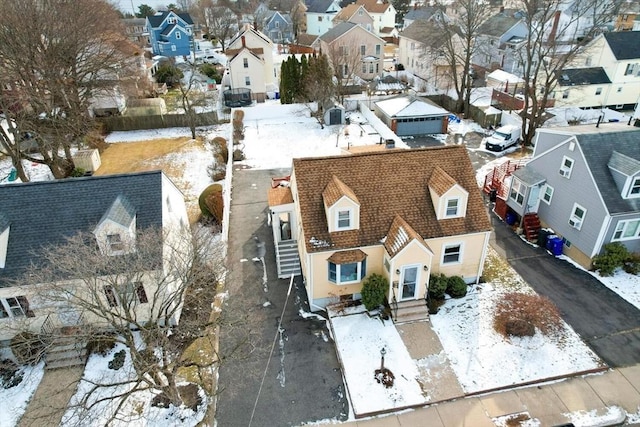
[(577, 216), (15, 307), (566, 167), (627, 230), (343, 220), (634, 191), (453, 206), (452, 254), (517, 191), (133, 293), (547, 194)]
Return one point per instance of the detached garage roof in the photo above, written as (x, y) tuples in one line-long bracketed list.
[(410, 107)]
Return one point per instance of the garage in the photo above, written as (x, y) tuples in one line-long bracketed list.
[(410, 116)]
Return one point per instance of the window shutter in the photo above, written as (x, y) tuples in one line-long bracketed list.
[(111, 296), (142, 295)]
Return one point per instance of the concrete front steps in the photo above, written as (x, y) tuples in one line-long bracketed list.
[(288, 259), (410, 311), (65, 352)]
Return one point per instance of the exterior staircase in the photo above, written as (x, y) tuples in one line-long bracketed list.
[(531, 226), (287, 259), (65, 351), (410, 311)]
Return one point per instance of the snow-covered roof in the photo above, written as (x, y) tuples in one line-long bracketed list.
[(410, 107), (503, 76)]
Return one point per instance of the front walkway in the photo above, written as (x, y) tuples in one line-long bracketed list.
[(49, 403)]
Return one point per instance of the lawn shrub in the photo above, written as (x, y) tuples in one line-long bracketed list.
[(612, 257), (10, 375), (437, 286), (28, 348), (238, 125), (211, 202), (118, 360), (221, 149), (456, 287), (101, 343), (632, 263), (238, 155), (374, 290), (78, 172), (517, 313)]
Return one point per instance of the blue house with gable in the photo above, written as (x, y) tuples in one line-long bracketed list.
[(170, 33), (278, 27)]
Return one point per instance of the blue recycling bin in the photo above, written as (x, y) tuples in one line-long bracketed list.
[(554, 245), (510, 218)]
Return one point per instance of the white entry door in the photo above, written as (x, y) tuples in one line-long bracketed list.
[(408, 283)]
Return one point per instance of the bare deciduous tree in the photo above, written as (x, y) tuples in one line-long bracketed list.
[(554, 41), (53, 62), (138, 296), (219, 20), (346, 61)]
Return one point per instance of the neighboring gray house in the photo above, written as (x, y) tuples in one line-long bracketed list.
[(278, 27), (499, 39), (424, 13), (320, 14), (584, 183)]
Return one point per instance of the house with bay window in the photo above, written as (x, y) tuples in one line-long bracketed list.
[(403, 214), (112, 212), (584, 183)]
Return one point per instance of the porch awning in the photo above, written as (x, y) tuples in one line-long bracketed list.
[(347, 257), (528, 176)]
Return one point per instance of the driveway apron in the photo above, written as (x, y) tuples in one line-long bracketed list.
[(302, 378), (605, 321)]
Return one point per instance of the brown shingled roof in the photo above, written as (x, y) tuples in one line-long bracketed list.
[(440, 181), (388, 183), (346, 257), (399, 236), (279, 196), (373, 6), (336, 189)]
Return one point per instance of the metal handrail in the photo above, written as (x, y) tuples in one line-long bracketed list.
[(394, 304)]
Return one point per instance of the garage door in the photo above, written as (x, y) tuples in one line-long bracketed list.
[(419, 126)]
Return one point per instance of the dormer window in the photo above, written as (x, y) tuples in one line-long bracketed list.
[(634, 191), (115, 242), (171, 20), (344, 219), (453, 206)]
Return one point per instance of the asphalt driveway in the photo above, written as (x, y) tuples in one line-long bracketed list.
[(302, 377), (605, 321)]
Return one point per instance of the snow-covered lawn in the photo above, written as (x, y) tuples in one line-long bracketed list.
[(14, 400), (359, 339), (137, 410)]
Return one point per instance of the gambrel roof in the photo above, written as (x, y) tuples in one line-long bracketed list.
[(387, 184)]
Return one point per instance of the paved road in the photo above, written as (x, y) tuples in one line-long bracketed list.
[(606, 322), (303, 381)]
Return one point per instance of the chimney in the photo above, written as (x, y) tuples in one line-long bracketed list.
[(244, 44), (554, 27)]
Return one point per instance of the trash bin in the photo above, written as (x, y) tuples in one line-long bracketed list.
[(554, 245), (493, 195), (510, 218), (543, 235)]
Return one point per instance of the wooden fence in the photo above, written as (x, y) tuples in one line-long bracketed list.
[(156, 121)]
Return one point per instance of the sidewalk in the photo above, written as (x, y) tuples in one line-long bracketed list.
[(50, 401), (593, 400)]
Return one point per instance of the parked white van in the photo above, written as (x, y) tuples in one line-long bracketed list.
[(503, 138)]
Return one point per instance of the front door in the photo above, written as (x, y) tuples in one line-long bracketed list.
[(408, 281), (284, 219)]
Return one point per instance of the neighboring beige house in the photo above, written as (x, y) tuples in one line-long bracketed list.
[(355, 13), (421, 51), (606, 74), (113, 210), (383, 13), (250, 63), (424, 216), (353, 51), (627, 14)]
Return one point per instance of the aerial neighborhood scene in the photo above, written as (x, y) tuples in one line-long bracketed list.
[(318, 212)]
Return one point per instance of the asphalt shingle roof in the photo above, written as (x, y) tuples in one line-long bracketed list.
[(318, 6), (337, 31), (44, 213), (156, 20), (598, 149), (403, 189), (624, 44), (583, 76), (498, 24)]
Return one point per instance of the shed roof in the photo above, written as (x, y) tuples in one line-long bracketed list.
[(404, 106)]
